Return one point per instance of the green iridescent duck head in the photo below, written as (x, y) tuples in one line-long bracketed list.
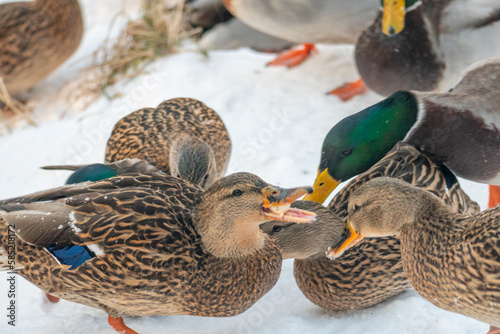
[(359, 141)]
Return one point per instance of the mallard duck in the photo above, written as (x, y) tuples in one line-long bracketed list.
[(182, 137), (151, 244), (223, 31), (450, 259), (370, 272), (98, 171), (35, 38), (458, 128), (302, 21), (425, 45)]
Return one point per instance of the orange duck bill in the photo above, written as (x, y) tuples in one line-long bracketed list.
[(277, 203), (346, 241)]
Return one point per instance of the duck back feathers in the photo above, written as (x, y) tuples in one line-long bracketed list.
[(149, 133)]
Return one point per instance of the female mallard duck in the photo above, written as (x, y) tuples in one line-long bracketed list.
[(458, 128), (450, 259), (425, 45), (302, 21), (182, 137), (372, 271), (35, 38), (153, 244)]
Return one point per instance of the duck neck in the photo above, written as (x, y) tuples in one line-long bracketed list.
[(434, 223), (225, 236)]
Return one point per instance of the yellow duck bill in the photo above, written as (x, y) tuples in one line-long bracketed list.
[(346, 241), (323, 187), (393, 19)]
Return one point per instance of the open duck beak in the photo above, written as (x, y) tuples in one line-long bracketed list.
[(323, 187), (277, 205), (393, 19), (346, 241)]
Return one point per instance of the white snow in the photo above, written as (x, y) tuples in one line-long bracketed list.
[(277, 119)]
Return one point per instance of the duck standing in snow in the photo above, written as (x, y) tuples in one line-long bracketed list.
[(151, 244), (36, 37), (307, 22), (451, 259), (458, 128), (372, 271), (425, 45)]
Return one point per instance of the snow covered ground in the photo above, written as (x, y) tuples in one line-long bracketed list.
[(277, 119)]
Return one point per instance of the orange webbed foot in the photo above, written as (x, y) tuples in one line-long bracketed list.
[(494, 330), (119, 326), (494, 197), (292, 58), (349, 90), (52, 299)]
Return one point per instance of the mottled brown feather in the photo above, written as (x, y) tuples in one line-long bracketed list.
[(153, 260), (148, 133), (35, 38), (371, 271), (451, 259)]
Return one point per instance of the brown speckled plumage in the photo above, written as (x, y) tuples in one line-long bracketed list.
[(149, 133), (35, 38), (451, 259), (154, 260), (372, 271)]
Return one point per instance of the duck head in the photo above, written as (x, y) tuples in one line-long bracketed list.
[(231, 210), (380, 208), (359, 141), (302, 241)]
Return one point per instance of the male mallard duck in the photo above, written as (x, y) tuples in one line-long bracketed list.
[(35, 38), (182, 137), (372, 271), (425, 45), (458, 128), (152, 244), (451, 259), (302, 21)]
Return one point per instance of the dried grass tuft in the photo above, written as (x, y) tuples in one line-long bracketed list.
[(12, 111), (157, 33)]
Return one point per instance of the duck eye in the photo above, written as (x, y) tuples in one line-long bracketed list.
[(355, 208), (277, 228), (206, 177), (237, 192), (346, 152)]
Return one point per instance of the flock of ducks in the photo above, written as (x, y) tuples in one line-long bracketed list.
[(158, 229)]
